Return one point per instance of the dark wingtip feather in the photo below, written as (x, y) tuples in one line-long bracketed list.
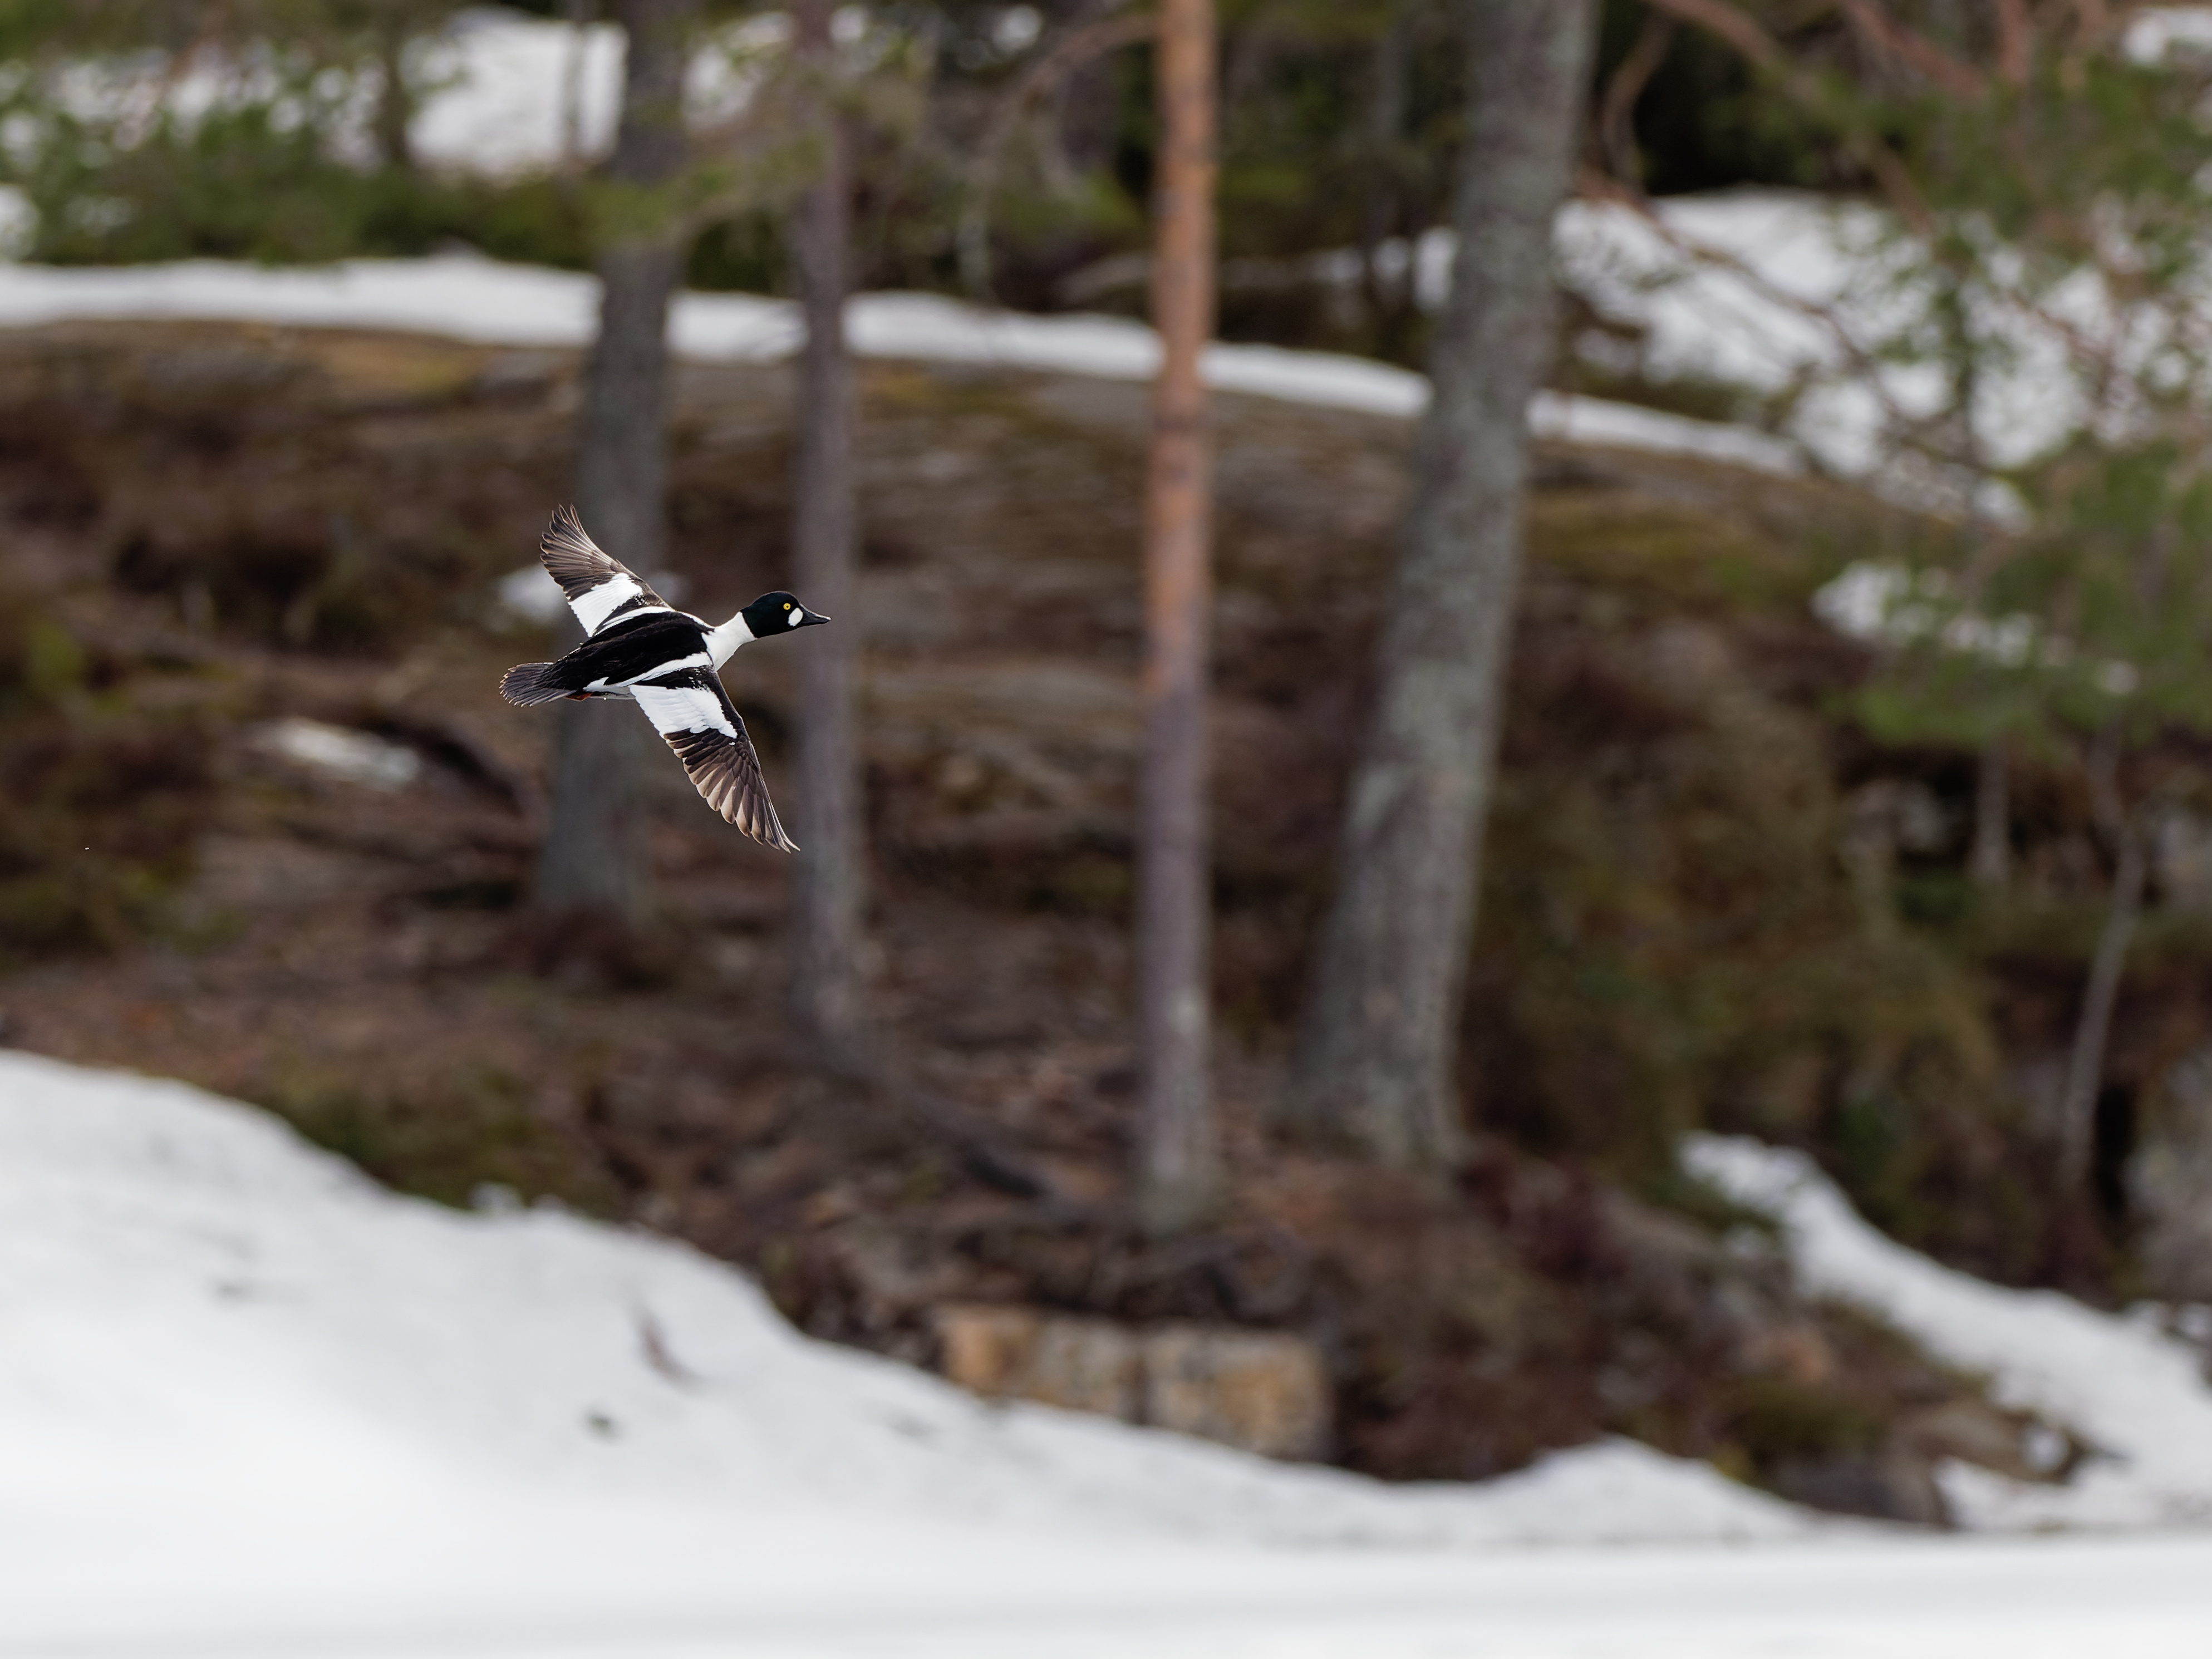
[(526, 686)]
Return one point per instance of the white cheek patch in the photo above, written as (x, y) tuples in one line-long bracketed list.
[(796, 617)]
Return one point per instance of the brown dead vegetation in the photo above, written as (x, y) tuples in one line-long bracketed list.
[(210, 528)]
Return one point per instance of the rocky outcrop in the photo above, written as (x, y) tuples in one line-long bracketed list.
[(1261, 1391)]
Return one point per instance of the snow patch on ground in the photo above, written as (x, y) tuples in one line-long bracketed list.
[(251, 1403), (497, 95), (1819, 310), (2137, 1395), (2161, 32), (191, 1296), (512, 95), (467, 297), (19, 221), (1819, 313), (339, 752)]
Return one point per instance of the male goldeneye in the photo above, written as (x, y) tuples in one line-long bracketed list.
[(639, 647)]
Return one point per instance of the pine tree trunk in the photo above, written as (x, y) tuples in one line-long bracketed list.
[(1374, 1064), (830, 888), (1177, 1172), (594, 856)]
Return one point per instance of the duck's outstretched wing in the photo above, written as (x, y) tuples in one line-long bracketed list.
[(599, 587), (690, 708)]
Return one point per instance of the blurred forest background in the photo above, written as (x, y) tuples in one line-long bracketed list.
[(1927, 895)]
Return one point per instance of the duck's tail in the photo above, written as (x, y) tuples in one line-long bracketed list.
[(530, 685)]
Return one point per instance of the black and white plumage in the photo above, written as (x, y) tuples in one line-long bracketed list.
[(639, 647)]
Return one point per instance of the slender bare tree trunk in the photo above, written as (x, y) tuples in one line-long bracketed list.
[(1990, 864), (1374, 1064), (1385, 298), (828, 991), (2085, 1066), (1178, 1156), (395, 101), (577, 13), (594, 857)]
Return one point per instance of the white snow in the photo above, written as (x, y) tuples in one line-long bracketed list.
[(2136, 1394), (1839, 406), (2159, 32), (340, 752), (468, 297), (252, 1405), (291, 1320), (530, 595), (497, 95), (1823, 309), (511, 95), (1795, 300), (1820, 313), (506, 95), (1878, 601), (1816, 310)]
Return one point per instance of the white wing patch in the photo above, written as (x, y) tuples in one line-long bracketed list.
[(595, 586), (683, 708), (595, 606)]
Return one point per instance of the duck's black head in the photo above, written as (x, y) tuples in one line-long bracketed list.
[(778, 613)]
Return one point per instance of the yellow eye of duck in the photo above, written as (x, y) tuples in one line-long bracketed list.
[(786, 605)]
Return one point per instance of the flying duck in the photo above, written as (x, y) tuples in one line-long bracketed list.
[(639, 647)]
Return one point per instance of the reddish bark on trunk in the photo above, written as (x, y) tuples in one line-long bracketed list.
[(1177, 1162)]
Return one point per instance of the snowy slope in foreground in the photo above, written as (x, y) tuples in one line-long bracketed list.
[(251, 1406), (2136, 1394), (192, 1302), (470, 298)]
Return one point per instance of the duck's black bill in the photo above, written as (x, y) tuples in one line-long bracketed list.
[(812, 618)]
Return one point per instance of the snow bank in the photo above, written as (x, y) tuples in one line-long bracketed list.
[(1822, 309), (195, 1301), (1815, 308), (467, 297), (252, 1404), (511, 95), (1820, 313), (2137, 1395)]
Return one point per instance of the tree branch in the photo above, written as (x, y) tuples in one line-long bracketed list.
[(1740, 31), (1077, 47), (1617, 110), (1718, 18), (1894, 40), (1592, 187), (2015, 42)]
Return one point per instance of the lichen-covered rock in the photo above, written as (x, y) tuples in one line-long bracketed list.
[(1079, 1364), (1262, 1391), (1265, 1391)]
